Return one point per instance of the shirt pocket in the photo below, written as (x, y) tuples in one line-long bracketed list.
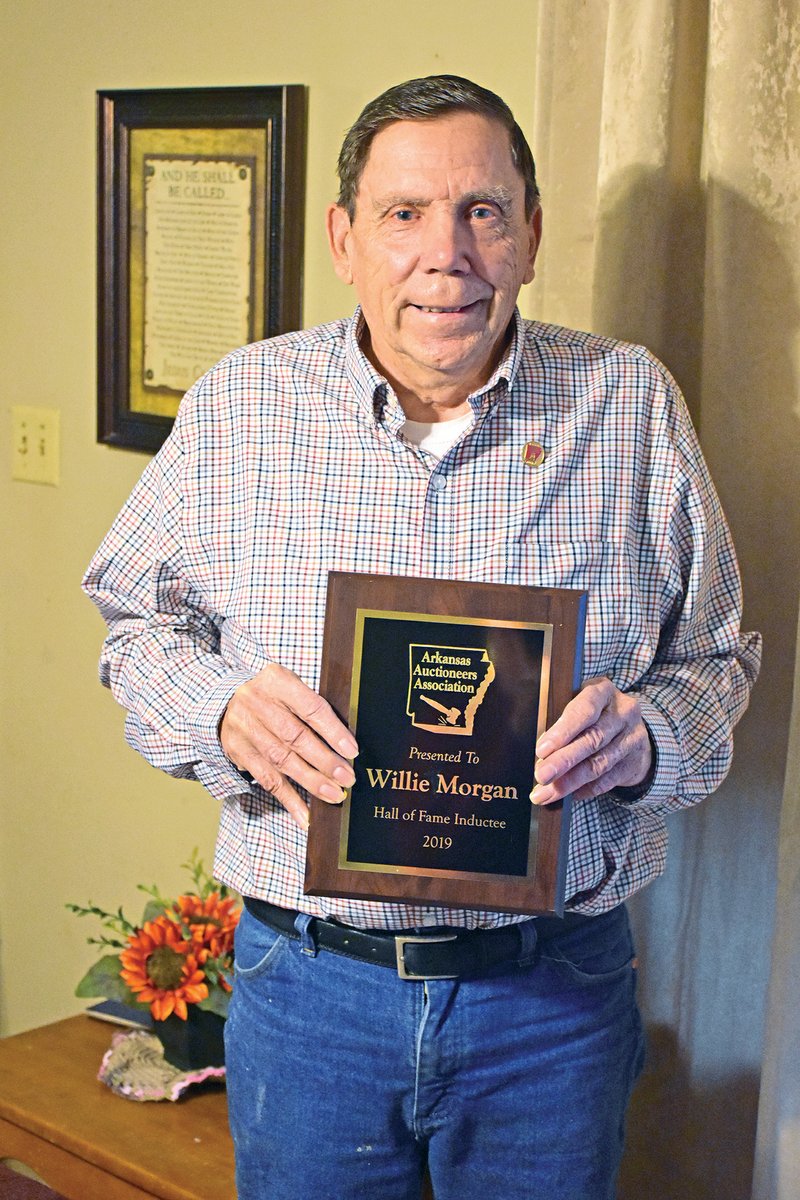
[(622, 612)]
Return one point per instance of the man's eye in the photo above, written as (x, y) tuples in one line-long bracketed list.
[(403, 214), (482, 212)]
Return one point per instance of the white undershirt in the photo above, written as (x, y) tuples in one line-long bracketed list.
[(436, 438)]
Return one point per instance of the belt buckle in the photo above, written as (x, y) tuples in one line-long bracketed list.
[(401, 940)]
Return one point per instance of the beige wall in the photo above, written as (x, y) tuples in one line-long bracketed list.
[(81, 816)]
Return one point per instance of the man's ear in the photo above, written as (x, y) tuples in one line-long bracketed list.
[(534, 238), (337, 224)]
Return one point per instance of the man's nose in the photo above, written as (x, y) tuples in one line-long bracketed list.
[(445, 243)]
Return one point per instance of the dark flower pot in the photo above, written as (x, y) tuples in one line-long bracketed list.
[(195, 1042)]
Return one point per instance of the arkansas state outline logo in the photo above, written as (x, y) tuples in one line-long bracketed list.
[(446, 686)]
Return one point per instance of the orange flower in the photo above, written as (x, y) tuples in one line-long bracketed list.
[(160, 967), (211, 922)]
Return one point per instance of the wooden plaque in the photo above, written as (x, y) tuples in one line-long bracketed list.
[(446, 685)]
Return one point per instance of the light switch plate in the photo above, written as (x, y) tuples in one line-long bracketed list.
[(35, 444)]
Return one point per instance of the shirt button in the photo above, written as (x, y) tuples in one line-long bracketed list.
[(438, 482)]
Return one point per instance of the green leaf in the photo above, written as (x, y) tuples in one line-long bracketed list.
[(216, 1002), (153, 909), (117, 922), (103, 979), (114, 943)]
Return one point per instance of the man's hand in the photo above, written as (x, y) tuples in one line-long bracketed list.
[(598, 743), (279, 731)]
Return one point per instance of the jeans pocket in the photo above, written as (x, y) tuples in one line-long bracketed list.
[(595, 954), (256, 947)]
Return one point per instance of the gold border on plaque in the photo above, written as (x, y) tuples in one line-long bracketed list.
[(361, 614)]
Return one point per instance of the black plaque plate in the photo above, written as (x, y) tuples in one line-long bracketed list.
[(447, 686)]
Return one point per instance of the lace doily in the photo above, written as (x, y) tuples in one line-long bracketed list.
[(135, 1067)]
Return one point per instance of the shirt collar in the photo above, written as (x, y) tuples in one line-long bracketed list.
[(373, 392), (369, 387)]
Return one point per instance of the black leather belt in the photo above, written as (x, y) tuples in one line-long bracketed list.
[(440, 954)]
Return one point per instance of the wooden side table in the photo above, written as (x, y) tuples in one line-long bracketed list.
[(90, 1144)]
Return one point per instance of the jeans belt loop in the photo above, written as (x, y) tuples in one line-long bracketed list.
[(303, 926)]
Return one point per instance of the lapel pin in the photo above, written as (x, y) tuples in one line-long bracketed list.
[(533, 454)]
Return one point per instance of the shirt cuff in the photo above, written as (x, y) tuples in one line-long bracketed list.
[(214, 768), (661, 781)]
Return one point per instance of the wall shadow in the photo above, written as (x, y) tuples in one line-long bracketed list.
[(668, 1144)]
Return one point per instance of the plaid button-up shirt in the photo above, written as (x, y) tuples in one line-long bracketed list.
[(287, 461)]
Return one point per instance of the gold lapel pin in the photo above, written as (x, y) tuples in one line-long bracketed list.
[(533, 454)]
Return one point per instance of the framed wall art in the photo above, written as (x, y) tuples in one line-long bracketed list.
[(200, 241)]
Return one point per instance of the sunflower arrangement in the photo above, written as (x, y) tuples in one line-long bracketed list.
[(181, 954)]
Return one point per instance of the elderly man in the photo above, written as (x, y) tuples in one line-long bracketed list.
[(392, 443)]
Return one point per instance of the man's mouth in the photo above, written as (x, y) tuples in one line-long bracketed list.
[(451, 308)]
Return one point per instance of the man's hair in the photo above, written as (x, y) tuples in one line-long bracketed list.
[(424, 100)]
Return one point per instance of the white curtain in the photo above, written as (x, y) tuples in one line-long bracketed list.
[(666, 138)]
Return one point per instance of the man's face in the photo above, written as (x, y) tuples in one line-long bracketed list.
[(438, 250)]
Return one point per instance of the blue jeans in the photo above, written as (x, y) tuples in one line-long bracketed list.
[(345, 1079)]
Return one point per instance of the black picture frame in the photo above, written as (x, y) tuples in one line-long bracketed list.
[(215, 123)]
